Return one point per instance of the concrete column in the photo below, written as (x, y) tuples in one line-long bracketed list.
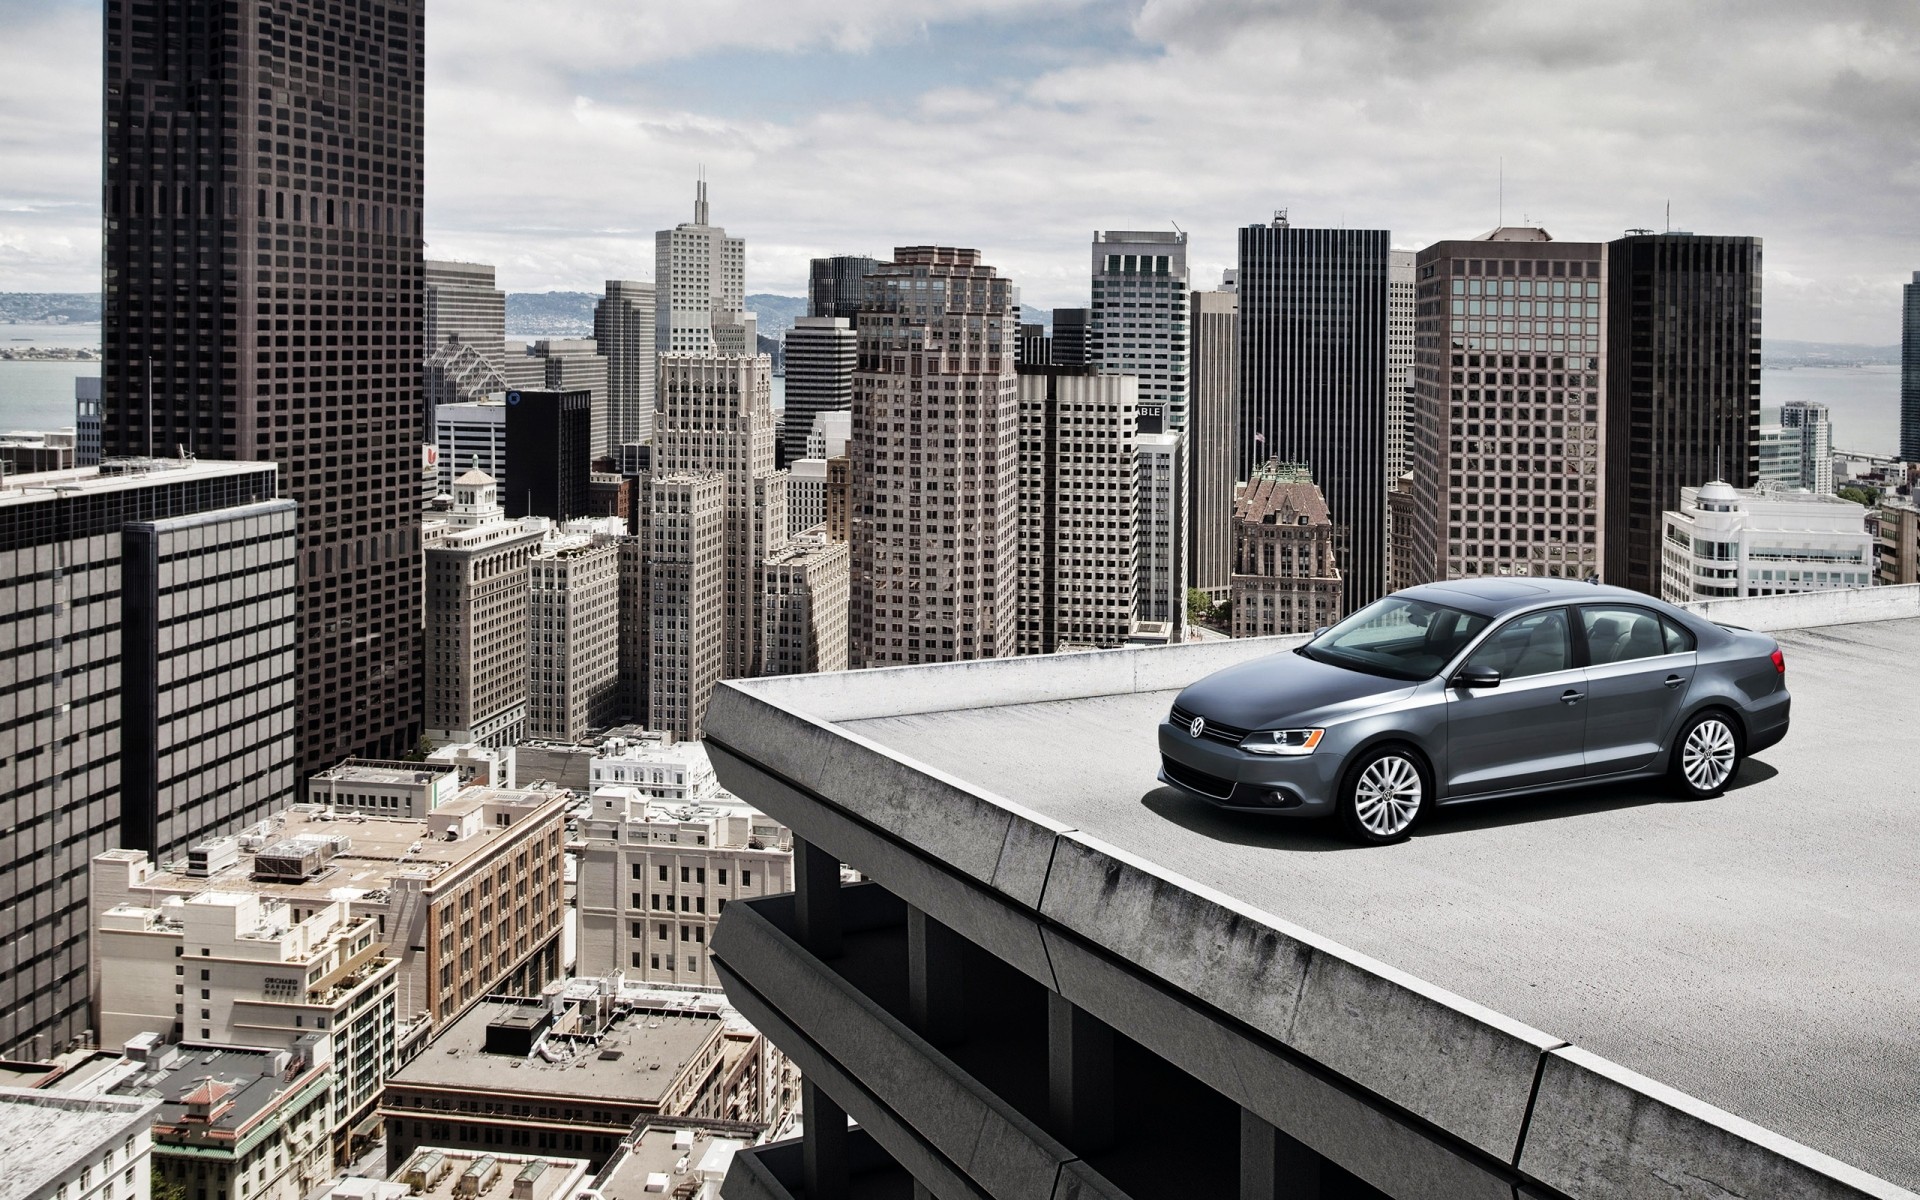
[(1080, 1084), (934, 979), (823, 1149), (816, 883), (1273, 1166)]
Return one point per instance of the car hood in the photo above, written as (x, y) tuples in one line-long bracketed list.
[(1285, 688)]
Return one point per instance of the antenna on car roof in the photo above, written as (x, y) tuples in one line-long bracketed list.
[(1594, 579)]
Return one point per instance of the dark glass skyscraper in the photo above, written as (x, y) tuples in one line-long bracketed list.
[(835, 286), (1682, 386), (1910, 372), (262, 202), (1313, 367), (549, 453)]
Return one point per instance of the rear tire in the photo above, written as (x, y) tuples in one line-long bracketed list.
[(1706, 755), (1384, 796)]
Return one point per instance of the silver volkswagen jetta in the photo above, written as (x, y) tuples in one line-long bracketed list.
[(1473, 689)]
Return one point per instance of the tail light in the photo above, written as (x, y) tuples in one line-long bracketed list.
[(1779, 662)]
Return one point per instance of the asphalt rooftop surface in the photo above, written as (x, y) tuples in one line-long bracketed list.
[(1760, 951)]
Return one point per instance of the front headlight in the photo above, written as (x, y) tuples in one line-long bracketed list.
[(1282, 741)]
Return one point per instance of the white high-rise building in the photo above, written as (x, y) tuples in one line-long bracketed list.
[(471, 437), (1399, 359), (624, 328), (804, 608), (573, 635), (1725, 541), (576, 365), (686, 589), (828, 437), (1139, 324), (821, 352), (806, 494), (1160, 492), (1814, 425), (700, 277), (476, 611)]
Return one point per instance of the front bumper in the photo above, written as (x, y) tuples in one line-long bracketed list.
[(1228, 777)]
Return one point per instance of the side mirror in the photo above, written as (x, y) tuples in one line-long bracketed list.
[(1477, 677), (1321, 632)]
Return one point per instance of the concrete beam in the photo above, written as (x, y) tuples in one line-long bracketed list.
[(1081, 1087), (935, 982), (1272, 1165), (816, 897), (823, 1170)]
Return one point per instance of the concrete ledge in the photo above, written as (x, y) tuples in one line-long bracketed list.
[(1465, 1068), (1599, 1129), (774, 1171), (1008, 1156), (1811, 610)]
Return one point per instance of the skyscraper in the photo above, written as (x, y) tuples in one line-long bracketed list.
[(934, 536), (1139, 323), (624, 329), (836, 285), (716, 417), (1160, 531), (1399, 360), (476, 679), (1508, 442), (274, 298), (573, 635), (686, 588), (549, 456), (1683, 395), (1811, 423), (576, 365), (1910, 371), (821, 354), (1077, 519), (1213, 410), (1070, 336), (1313, 352), (466, 332), (700, 277)]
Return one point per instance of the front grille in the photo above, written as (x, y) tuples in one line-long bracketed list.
[(1228, 735), (1197, 780)]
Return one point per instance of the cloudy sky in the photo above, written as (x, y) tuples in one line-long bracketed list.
[(559, 136)]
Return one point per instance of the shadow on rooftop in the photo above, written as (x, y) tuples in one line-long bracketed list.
[(1286, 833)]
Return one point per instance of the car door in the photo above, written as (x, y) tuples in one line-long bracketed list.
[(1531, 729), (1639, 668)]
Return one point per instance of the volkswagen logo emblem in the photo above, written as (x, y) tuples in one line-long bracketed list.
[(1198, 727)]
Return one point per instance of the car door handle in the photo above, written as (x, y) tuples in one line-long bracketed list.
[(1571, 697), (1674, 681)]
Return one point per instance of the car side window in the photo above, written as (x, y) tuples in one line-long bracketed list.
[(1680, 639), (1619, 633), (1533, 644)]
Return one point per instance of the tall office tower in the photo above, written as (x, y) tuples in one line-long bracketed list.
[(636, 602), (152, 698), (1683, 404), (1813, 425), (805, 612), (1313, 352), (716, 415), (700, 278), (526, 370), (477, 618), (86, 421), (1160, 531), (1139, 324), (1213, 411), (836, 285), (1035, 347), (1399, 360), (830, 433), (576, 365), (549, 459), (687, 588), (623, 329), (933, 524), (1779, 453), (1070, 336), (1508, 441), (821, 355), (468, 437), (466, 332), (840, 498), (806, 495), (1284, 577), (573, 635), (1077, 513), (1910, 371), (217, 233)]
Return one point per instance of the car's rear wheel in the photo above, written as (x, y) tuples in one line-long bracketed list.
[(1707, 755), (1384, 796)]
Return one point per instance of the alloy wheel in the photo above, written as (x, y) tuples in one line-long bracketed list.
[(1386, 797), (1707, 757)]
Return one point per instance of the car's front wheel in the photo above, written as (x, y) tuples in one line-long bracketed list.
[(1384, 796), (1707, 755)]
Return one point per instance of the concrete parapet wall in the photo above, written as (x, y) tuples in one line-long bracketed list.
[(1810, 610)]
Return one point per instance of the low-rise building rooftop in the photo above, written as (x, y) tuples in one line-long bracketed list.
[(45, 1136)]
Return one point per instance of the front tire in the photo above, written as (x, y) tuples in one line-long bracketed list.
[(1706, 755), (1384, 796)]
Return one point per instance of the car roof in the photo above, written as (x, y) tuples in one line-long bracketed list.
[(1495, 596)]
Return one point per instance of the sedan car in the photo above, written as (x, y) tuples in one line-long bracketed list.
[(1473, 689)]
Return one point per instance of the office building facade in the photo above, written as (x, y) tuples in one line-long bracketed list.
[(278, 297), (573, 636), (1213, 411), (805, 606), (1160, 531), (1070, 328), (1683, 391), (1509, 442), (1400, 330), (476, 643), (934, 526), (821, 355), (1078, 509), (1313, 349), (836, 285), (1726, 541), (624, 329), (1812, 424), (471, 436), (154, 699), (1139, 320), (1284, 576), (466, 333), (699, 279), (686, 538), (549, 439)]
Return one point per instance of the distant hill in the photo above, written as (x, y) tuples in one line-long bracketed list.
[(48, 308), (1779, 352), (570, 314)]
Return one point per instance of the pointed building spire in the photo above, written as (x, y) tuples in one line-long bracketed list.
[(700, 199)]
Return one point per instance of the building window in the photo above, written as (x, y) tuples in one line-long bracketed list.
[(746, 877)]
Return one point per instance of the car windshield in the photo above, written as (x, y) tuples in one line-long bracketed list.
[(1397, 637)]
